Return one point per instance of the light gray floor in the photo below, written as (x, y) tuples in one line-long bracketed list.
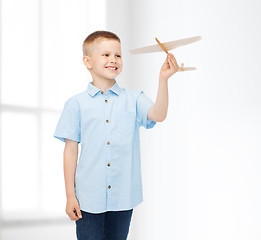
[(54, 231), (45, 231)]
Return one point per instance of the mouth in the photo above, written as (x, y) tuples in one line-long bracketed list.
[(112, 68)]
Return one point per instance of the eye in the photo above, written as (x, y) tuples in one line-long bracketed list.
[(106, 55), (118, 56)]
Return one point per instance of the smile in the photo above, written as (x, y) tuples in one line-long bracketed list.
[(112, 68)]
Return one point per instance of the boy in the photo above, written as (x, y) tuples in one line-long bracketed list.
[(105, 185)]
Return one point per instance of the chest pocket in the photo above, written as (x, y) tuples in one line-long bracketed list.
[(126, 122)]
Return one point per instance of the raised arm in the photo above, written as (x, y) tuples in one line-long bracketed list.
[(158, 111)]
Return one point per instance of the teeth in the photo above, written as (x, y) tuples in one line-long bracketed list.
[(113, 68)]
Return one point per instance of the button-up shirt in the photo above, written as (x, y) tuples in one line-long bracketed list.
[(108, 173)]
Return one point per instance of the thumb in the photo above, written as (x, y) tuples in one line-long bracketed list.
[(79, 213), (166, 61)]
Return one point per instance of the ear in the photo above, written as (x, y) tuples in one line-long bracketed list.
[(87, 61)]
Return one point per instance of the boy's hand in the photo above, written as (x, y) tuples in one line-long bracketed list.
[(73, 209), (169, 67)]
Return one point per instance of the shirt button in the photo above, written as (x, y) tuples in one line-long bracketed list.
[(106, 101), (108, 143), (107, 121), (109, 164), (109, 187), (102, 92)]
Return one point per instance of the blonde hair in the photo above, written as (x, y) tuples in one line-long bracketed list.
[(98, 35)]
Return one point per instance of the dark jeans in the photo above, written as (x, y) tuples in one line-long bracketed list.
[(110, 225)]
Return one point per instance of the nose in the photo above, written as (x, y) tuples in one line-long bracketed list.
[(113, 59)]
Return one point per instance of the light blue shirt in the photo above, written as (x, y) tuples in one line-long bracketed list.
[(108, 173)]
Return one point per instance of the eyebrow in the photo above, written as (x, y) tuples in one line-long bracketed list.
[(107, 52)]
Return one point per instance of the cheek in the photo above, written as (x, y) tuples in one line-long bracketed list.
[(121, 66)]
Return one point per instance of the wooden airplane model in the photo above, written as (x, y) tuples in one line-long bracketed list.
[(168, 46)]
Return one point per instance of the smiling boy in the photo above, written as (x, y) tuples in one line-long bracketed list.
[(103, 59), (105, 185)]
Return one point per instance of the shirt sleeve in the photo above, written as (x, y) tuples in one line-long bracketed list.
[(143, 105), (69, 124)]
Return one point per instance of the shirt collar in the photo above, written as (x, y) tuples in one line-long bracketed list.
[(92, 90)]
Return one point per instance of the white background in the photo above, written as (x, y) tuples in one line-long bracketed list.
[(201, 166)]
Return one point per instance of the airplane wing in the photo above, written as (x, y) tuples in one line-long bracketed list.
[(186, 69), (168, 45)]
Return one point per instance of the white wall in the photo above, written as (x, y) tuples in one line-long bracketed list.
[(200, 166), (40, 67)]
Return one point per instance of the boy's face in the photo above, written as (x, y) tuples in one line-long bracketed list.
[(104, 59)]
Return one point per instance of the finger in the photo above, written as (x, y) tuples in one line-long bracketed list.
[(172, 56), (74, 216), (165, 64), (173, 60), (166, 61), (173, 65), (79, 213)]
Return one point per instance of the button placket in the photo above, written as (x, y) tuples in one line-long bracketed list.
[(108, 143)]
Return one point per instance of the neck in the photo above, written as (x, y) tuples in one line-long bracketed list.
[(103, 85)]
